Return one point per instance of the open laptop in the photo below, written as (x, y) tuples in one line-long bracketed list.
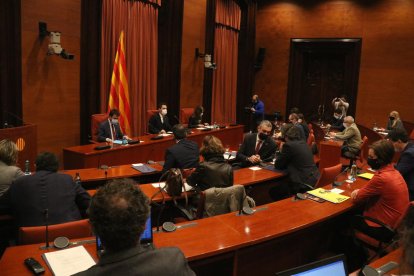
[(335, 266), (146, 239)]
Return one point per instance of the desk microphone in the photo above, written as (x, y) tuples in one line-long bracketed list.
[(176, 118), (337, 183), (370, 271), (19, 120), (46, 216)]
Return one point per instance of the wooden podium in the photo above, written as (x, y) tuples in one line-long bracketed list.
[(25, 138)]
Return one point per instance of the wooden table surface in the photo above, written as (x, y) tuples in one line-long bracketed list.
[(86, 156), (228, 236)]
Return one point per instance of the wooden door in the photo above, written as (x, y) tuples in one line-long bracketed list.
[(320, 70)]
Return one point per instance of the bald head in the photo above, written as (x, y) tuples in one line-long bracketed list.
[(349, 120)]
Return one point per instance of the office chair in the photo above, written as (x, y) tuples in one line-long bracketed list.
[(328, 175), (96, 120)]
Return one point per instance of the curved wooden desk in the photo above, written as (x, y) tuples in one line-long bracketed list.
[(279, 235), (87, 157)]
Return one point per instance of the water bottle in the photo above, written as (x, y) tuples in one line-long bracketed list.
[(375, 128), (77, 179), (353, 172), (27, 167)]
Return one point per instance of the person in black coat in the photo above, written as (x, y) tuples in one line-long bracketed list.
[(29, 196), (196, 118), (184, 154), (118, 214), (296, 158), (109, 130), (337, 121), (159, 123), (214, 171), (257, 147)]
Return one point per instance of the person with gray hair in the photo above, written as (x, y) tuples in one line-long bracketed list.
[(257, 147), (8, 160), (351, 137)]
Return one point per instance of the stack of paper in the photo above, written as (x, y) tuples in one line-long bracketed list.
[(328, 195)]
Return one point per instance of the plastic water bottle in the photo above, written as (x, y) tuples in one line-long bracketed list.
[(353, 172), (77, 179), (27, 167), (375, 128)]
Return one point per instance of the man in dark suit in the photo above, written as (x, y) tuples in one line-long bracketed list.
[(110, 130), (405, 164), (30, 196), (295, 157), (337, 121), (159, 123), (257, 147), (118, 213), (184, 154)]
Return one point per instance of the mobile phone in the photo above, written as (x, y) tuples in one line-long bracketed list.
[(34, 266)]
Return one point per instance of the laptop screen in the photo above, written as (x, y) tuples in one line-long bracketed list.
[(330, 266)]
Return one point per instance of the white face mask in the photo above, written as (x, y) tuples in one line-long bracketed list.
[(114, 121), (337, 117), (164, 112)]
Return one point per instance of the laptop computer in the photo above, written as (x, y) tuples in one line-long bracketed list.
[(146, 238), (335, 265)]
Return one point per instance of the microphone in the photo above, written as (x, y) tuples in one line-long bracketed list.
[(46, 214), (176, 118), (19, 120), (337, 183), (245, 209), (370, 271)]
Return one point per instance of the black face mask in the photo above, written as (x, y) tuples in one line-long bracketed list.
[(392, 118), (374, 163), (263, 136)]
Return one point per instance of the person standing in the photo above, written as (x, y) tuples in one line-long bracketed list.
[(258, 111), (341, 103)]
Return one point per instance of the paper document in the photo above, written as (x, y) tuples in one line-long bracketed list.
[(328, 195), (165, 134), (255, 168), (68, 261), (162, 184), (366, 175)]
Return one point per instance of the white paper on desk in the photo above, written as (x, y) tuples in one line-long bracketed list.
[(255, 168), (201, 128), (165, 134), (162, 184), (382, 133), (137, 164), (68, 261), (337, 191)]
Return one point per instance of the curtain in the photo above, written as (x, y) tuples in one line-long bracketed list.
[(139, 21), (226, 38)]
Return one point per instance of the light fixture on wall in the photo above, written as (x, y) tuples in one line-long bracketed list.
[(207, 59), (54, 47)]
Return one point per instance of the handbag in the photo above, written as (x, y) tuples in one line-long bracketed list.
[(174, 183)]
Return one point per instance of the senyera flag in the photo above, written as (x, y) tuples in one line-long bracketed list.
[(119, 94)]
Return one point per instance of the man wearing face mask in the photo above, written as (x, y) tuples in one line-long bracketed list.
[(257, 147), (110, 130), (257, 110), (159, 123), (337, 121), (405, 164), (385, 195), (351, 137)]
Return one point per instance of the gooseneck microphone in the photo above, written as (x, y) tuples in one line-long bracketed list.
[(46, 214), (337, 183)]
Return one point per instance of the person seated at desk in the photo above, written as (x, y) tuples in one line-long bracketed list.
[(405, 164), (196, 118), (394, 123), (257, 147), (118, 213), (337, 121), (8, 169), (31, 196), (110, 130), (294, 119), (184, 154), (159, 123), (214, 171), (302, 122), (296, 157), (385, 195), (351, 137)]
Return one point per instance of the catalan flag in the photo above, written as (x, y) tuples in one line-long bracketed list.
[(119, 94)]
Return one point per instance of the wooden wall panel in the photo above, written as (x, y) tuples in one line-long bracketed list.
[(387, 60), (192, 69), (50, 84)]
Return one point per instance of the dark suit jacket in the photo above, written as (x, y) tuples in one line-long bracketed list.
[(155, 125), (142, 261), (105, 131), (247, 149), (193, 122), (297, 158), (182, 155), (338, 123), (30, 195), (405, 166)]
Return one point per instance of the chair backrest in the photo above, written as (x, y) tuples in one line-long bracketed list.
[(412, 135), (185, 114), (363, 153), (310, 126), (96, 120), (71, 230), (311, 138), (224, 200), (328, 175), (150, 113)]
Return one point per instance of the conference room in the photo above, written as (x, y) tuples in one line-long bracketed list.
[(66, 63)]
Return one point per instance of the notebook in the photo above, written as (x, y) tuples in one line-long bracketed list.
[(335, 265), (143, 168)]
